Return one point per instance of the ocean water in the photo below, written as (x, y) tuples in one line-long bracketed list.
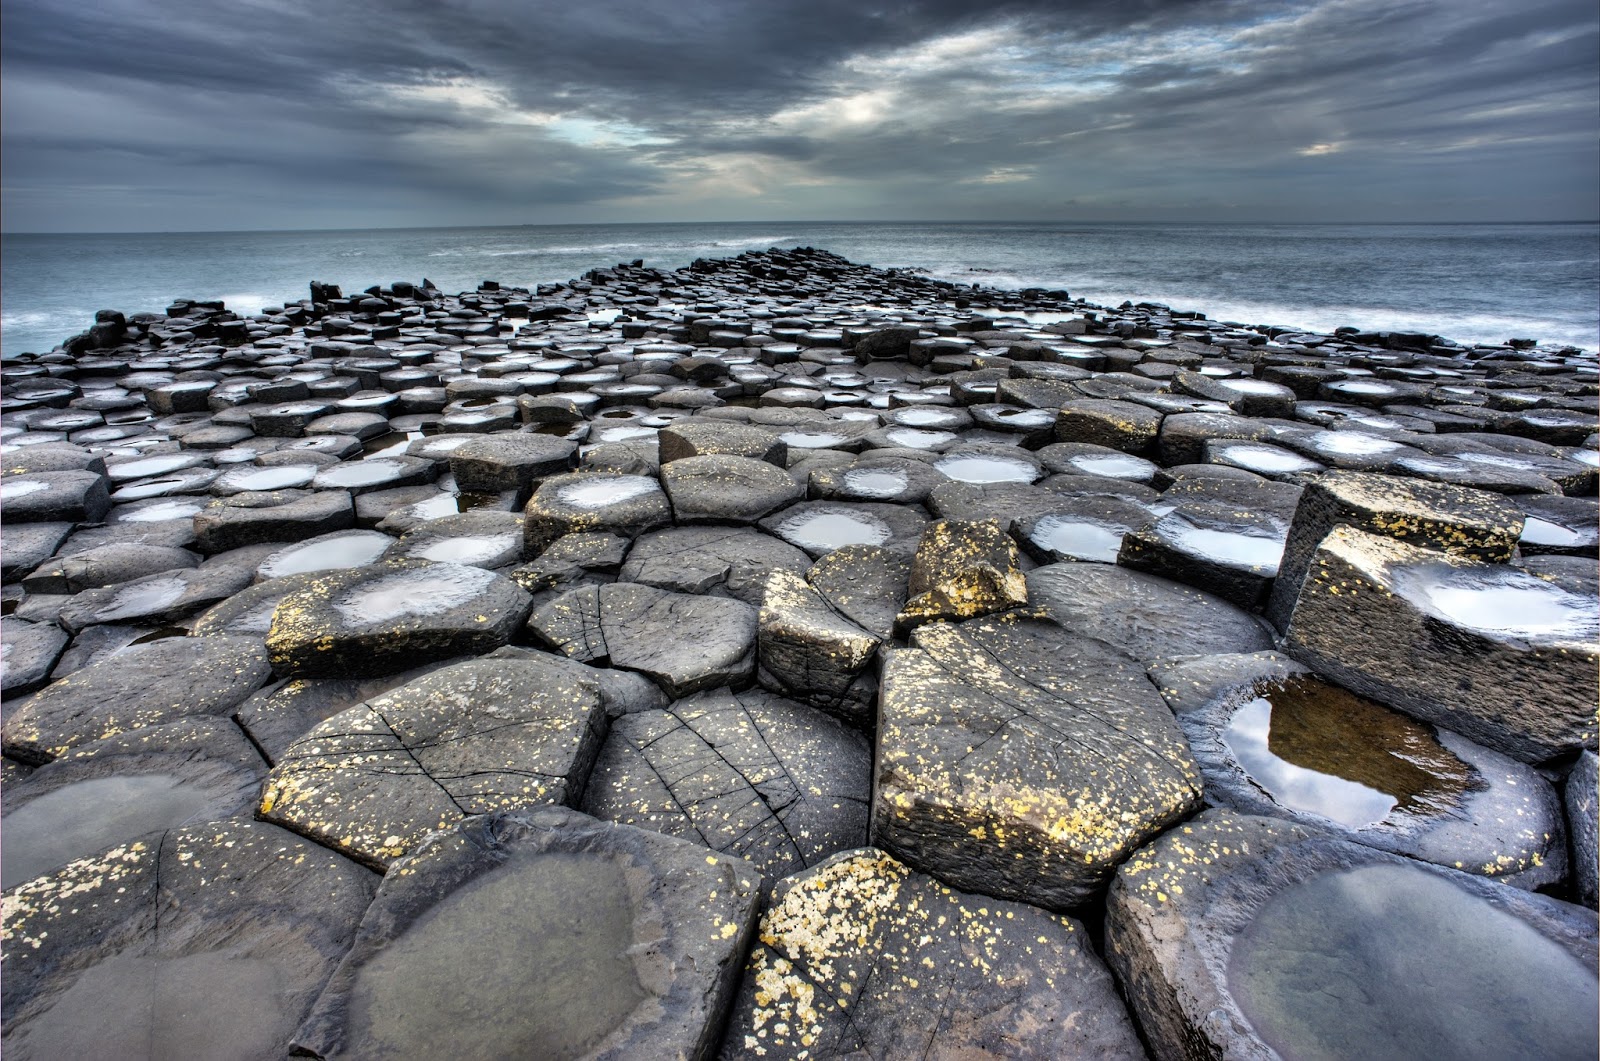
[(1470, 283)]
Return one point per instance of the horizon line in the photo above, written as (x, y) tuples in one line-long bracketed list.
[(792, 221)]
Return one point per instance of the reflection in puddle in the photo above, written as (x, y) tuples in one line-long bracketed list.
[(826, 530), (355, 549), (281, 477), (1501, 601), (987, 470), (1536, 531), (610, 490), (915, 438), (1078, 539), (1267, 460), (469, 549), (410, 593), (876, 482), (86, 817), (161, 510), (508, 966), (1114, 466), (809, 440), (1316, 748), (143, 599), (1229, 547), (1392, 961), (360, 473)]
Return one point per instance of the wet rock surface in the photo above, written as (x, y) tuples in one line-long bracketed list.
[(1261, 938), (474, 947), (759, 514)]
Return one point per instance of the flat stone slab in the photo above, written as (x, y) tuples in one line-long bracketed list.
[(493, 464), (207, 941), (45, 497), (282, 713), (475, 947), (278, 516), (1271, 739), (720, 561), (751, 774), (723, 488), (1144, 615), (684, 643), (866, 584), (1489, 651), (1582, 826), (145, 685), (863, 957), (31, 651), (1252, 937), (156, 599), (1020, 760), (473, 738), (392, 616), (116, 790)]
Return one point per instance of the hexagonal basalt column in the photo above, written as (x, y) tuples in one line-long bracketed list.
[(1024, 762)]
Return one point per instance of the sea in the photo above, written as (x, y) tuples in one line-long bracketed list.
[(1473, 283)]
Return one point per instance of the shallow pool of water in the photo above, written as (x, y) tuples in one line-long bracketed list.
[(178, 508), (876, 482), (1114, 466), (1501, 601), (1258, 553), (143, 598), (1316, 748), (508, 965), (1267, 460), (916, 438), (829, 529), (282, 477), (86, 817), (468, 549), (1395, 962), (355, 549), (976, 469), (360, 473), (606, 490), (1079, 539), (412, 593)]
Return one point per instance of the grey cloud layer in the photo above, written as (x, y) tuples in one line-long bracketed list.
[(278, 113)]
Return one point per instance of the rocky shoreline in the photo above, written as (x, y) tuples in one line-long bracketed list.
[(782, 657)]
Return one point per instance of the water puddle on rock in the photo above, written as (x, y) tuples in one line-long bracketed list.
[(162, 510), (199, 1005), (826, 530), (969, 469), (1256, 386), (1316, 748), (356, 549), (507, 966), (467, 549), (1536, 531), (393, 444), (1114, 466), (142, 599), (412, 593), (1235, 549), (624, 434), (1501, 601), (916, 438), (927, 417), (21, 488), (143, 469), (1353, 444), (876, 482), (809, 440), (86, 817), (281, 477), (1079, 539), (1392, 961), (1267, 460), (611, 490), (360, 473)]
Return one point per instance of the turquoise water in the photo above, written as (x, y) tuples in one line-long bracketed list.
[(1471, 283)]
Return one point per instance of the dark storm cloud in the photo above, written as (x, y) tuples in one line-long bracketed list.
[(156, 113)]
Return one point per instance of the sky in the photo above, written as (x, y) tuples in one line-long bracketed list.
[(165, 115)]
